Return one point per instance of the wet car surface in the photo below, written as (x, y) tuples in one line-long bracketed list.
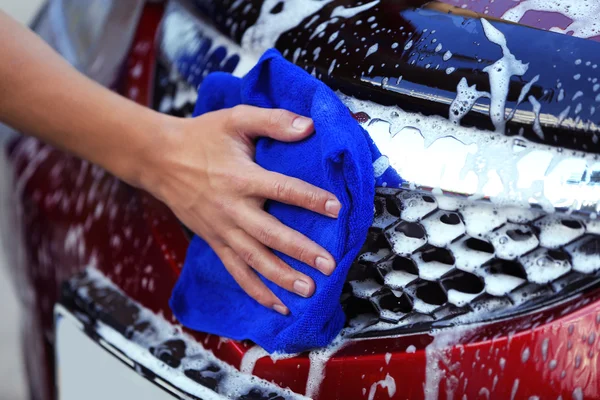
[(470, 284)]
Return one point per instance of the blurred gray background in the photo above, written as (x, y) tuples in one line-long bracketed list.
[(12, 380)]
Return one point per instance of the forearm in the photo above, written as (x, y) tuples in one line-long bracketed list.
[(202, 168), (43, 96)]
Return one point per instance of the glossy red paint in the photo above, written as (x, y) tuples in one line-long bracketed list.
[(76, 215), (483, 362)]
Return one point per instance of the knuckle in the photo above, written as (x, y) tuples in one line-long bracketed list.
[(266, 235), (276, 117), (237, 115), (248, 256), (258, 294), (313, 199), (281, 189), (238, 182), (222, 205), (283, 275), (302, 254)]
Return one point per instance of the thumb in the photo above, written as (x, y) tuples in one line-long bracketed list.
[(275, 123)]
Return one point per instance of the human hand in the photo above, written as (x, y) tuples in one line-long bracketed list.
[(205, 173)]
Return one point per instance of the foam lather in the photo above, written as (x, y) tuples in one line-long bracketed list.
[(339, 158)]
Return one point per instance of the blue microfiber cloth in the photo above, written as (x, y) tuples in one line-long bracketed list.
[(338, 158)]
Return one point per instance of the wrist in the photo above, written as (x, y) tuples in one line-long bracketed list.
[(142, 167)]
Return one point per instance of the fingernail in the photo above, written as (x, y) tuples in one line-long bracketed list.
[(281, 309), (333, 207), (301, 123), (302, 288), (325, 265)]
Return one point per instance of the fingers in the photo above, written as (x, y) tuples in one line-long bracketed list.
[(277, 124), (273, 234), (249, 281), (261, 259), (285, 189)]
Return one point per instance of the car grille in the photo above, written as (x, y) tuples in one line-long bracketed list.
[(435, 260)]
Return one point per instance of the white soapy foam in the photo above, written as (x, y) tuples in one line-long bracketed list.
[(250, 359), (500, 74), (432, 270), (438, 48), (146, 359), (333, 36), (380, 166), (408, 45), (553, 233), (584, 14), (447, 55), (541, 268), (545, 345), (268, 27), (388, 357), (416, 207), (411, 349), (233, 384), (340, 12), (182, 36), (460, 299), (525, 354), (399, 279), (563, 114), (331, 67), (419, 305), (525, 91), (509, 171), (404, 245), (384, 219), (388, 383), (450, 70), (502, 363), (365, 289), (184, 95), (446, 202), (482, 218), (466, 97), (581, 260), (500, 284), (577, 394), (319, 358), (439, 233), (514, 390), (316, 53), (467, 259), (372, 50), (343, 12), (537, 127), (436, 353), (508, 248), (379, 254)]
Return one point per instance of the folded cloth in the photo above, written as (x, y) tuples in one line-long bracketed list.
[(339, 158)]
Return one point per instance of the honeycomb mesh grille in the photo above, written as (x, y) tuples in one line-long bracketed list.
[(431, 261), (434, 261)]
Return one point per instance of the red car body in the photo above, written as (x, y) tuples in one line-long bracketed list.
[(74, 215)]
